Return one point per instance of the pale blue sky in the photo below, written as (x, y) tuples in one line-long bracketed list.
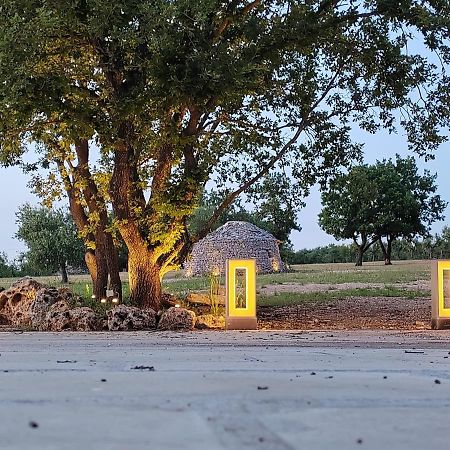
[(14, 192)]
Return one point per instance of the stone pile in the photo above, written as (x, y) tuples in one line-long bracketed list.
[(30, 304), (123, 318), (27, 302), (234, 240), (77, 319), (177, 319)]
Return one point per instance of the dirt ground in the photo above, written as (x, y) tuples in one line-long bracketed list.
[(355, 313)]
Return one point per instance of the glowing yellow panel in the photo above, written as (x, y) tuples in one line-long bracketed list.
[(241, 288), (444, 288)]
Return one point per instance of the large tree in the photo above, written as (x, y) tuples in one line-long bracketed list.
[(348, 209), (51, 240), (177, 92), (407, 203), (381, 203)]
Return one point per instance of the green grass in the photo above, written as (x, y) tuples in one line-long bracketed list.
[(389, 276), (296, 298), (399, 272), (186, 285)]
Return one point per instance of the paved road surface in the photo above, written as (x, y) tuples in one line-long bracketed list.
[(217, 390)]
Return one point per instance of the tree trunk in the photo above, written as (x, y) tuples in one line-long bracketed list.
[(145, 281), (63, 271), (91, 264), (101, 283), (359, 256), (96, 205), (387, 259), (112, 259), (387, 251), (361, 249)]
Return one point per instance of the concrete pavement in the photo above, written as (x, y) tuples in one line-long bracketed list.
[(217, 390)]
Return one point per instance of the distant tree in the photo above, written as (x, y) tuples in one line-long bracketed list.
[(429, 247), (406, 204), (348, 209), (381, 203), (444, 243), (51, 238), (6, 269)]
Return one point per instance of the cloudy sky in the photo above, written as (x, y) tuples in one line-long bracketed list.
[(14, 192)]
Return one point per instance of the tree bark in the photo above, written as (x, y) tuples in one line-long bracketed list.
[(106, 252), (145, 281), (101, 283), (143, 271), (360, 256), (63, 271), (387, 251), (112, 260), (362, 248)]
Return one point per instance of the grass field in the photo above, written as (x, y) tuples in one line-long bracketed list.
[(390, 282)]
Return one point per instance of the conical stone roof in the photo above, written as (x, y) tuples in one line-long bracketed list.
[(238, 230), (234, 240)]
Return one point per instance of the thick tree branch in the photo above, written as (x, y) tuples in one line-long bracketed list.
[(264, 171), (223, 26)]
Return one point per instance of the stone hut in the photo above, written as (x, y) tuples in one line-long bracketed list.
[(234, 240)]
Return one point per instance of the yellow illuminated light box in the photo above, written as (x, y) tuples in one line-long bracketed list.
[(241, 294), (440, 295)]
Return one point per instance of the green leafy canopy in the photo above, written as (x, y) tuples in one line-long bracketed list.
[(176, 93), (388, 199), (51, 239)]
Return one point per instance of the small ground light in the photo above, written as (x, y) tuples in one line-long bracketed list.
[(103, 300), (177, 305), (115, 300), (93, 296)]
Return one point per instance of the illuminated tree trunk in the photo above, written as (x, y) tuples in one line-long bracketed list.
[(143, 271), (107, 259), (145, 281), (102, 260)]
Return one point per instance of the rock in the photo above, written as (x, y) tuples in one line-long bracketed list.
[(85, 319), (203, 299), (122, 318), (177, 319), (28, 302), (198, 299), (57, 321), (168, 300), (60, 306), (209, 321), (60, 318), (43, 301), (15, 302)]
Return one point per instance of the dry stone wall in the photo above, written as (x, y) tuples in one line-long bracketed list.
[(234, 240)]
